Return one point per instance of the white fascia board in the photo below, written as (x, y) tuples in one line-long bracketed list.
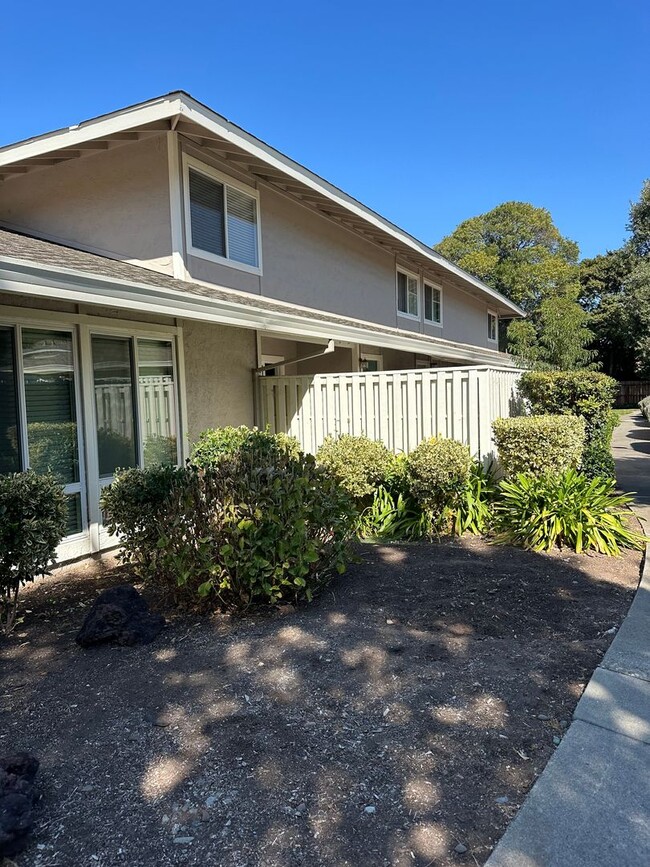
[(119, 121), (63, 284), (175, 104)]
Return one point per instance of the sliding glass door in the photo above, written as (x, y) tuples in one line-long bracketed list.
[(82, 403), (135, 405)]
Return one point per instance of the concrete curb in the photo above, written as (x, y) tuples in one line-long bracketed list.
[(590, 806)]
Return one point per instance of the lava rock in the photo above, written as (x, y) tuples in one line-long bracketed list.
[(17, 794), (121, 615)]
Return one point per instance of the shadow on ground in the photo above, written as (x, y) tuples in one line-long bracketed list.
[(405, 712)]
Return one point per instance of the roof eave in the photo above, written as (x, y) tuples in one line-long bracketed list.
[(180, 104), (65, 284)]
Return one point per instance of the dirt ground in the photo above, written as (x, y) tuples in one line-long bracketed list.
[(403, 714)]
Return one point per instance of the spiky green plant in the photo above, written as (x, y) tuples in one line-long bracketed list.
[(540, 512), (393, 517), (474, 510)]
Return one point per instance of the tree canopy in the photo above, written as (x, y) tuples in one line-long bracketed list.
[(517, 249), (615, 288), (580, 314)]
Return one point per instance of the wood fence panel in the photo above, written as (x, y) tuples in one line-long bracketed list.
[(399, 407)]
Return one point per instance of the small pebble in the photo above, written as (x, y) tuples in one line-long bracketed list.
[(370, 809), (543, 716), (183, 841), (502, 799), (460, 849), (210, 801), (557, 741)]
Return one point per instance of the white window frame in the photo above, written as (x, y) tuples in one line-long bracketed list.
[(371, 356), (190, 162), (494, 339), (407, 273), (433, 285)]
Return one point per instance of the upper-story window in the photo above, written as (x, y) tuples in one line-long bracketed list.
[(492, 324), (432, 304), (222, 218), (408, 295)]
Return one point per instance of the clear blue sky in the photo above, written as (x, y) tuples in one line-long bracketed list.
[(429, 112)]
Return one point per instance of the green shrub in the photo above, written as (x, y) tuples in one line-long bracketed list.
[(539, 512), (238, 532), (216, 443), (359, 463), (437, 472), (393, 516), (583, 393), (32, 523), (474, 508), (539, 443)]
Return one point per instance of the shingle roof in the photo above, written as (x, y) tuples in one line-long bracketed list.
[(27, 248)]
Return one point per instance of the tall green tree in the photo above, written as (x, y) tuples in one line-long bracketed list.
[(517, 249), (615, 287), (639, 223)]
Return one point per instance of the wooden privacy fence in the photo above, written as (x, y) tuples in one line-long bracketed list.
[(630, 392), (399, 407)]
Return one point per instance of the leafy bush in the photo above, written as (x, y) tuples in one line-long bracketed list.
[(359, 463), (645, 407), (393, 516), (583, 393), (32, 523), (437, 472), (253, 526), (216, 443), (578, 392), (539, 443), (567, 509), (474, 508)]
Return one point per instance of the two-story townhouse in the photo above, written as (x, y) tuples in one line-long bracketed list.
[(154, 260)]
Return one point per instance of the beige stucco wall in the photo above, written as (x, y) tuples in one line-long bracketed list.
[(114, 201), (310, 260), (218, 376)]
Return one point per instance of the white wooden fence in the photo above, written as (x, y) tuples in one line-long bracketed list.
[(399, 407)]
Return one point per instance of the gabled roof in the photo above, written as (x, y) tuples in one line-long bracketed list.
[(180, 111), (32, 266)]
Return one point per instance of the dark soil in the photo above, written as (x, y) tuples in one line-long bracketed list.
[(405, 712)]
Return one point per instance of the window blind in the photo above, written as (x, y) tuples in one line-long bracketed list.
[(207, 214), (9, 445), (242, 227), (402, 303)]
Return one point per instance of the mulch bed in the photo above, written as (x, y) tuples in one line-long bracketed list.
[(405, 713)]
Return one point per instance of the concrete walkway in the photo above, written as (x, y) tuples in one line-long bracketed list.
[(591, 805)]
